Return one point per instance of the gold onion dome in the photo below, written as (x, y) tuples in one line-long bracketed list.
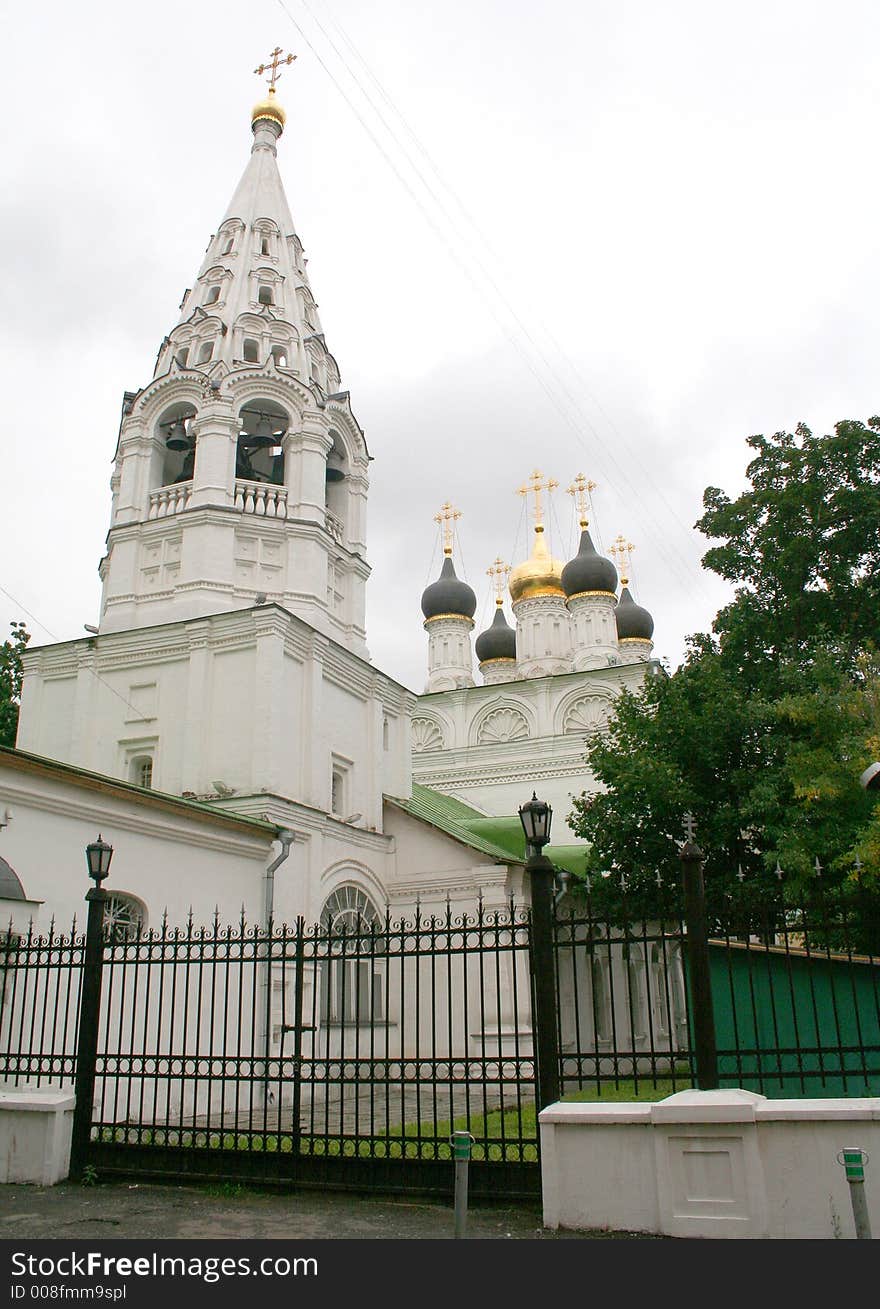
[(269, 108), (538, 575)]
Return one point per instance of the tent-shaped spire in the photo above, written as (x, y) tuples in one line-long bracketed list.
[(251, 300)]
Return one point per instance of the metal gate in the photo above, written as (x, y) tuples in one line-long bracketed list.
[(342, 1054)]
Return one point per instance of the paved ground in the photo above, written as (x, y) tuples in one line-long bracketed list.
[(149, 1211)]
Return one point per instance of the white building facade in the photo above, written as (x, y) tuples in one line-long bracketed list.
[(549, 682)]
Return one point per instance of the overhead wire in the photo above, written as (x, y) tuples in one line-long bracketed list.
[(18, 604), (660, 541)]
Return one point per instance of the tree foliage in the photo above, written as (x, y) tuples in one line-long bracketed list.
[(763, 731), (11, 652)]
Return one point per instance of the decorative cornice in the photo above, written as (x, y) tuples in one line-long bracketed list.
[(594, 595), (459, 779), (544, 593), (145, 803), (458, 618)]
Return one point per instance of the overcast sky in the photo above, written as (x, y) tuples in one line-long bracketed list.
[(612, 237)]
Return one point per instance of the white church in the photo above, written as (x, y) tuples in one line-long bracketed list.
[(224, 729)]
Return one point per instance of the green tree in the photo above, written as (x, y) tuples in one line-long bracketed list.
[(763, 731), (11, 652), (802, 543)]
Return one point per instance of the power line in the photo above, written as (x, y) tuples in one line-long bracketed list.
[(51, 634), (661, 543)]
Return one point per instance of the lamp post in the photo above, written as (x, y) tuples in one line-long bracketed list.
[(98, 857), (697, 941), (536, 817)]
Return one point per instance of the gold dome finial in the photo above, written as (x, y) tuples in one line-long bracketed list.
[(540, 574), (580, 489), (498, 572), (270, 108), (534, 485), (621, 553), (447, 519)]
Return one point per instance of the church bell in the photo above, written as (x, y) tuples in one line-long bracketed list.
[(262, 436), (177, 438)]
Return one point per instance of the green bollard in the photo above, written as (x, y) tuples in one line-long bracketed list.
[(853, 1160), (461, 1153)]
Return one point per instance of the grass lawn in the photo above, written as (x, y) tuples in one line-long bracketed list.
[(508, 1134)]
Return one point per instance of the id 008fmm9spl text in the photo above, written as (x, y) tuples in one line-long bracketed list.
[(58, 1291)]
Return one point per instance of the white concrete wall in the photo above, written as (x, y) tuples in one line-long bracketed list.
[(169, 856), (255, 700), (709, 1164), (490, 746), (35, 1129)]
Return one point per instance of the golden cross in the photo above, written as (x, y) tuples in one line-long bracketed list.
[(621, 552), (534, 486), (274, 66), (447, 518), (580, 489), (498, 572)]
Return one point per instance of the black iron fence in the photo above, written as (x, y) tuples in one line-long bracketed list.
[(622, 1003), (347, 1055)]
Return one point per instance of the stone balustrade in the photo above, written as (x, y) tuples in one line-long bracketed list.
[(170, 500), (261, 498)]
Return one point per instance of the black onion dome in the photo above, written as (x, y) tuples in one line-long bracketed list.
[(448, 595), (633, 622), (588, 571), (498, 641)]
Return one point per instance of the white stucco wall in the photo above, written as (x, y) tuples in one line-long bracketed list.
[(166, 854), (490, 746), (254, 700), (725, 1163)]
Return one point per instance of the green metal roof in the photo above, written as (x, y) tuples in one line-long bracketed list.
[(451, 816), (499, 836)]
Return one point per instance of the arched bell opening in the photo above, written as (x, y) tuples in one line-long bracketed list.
[(336, 492), (174, 430), (260, 456)]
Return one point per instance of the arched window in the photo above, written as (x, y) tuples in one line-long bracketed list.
[(142, 770), (227, 249), (352, 978), (176, 460), (205, 352), (350, 910), (264, 245), (260, 453), (251, 352), (125, 916), (601, 1014), (182, 356), (279, 354), (265, 295), (213, 295)]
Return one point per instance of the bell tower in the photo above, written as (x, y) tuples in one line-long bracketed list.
[(241, 473)]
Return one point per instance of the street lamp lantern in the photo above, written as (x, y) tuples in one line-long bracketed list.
[(536, 817), (98, 856)]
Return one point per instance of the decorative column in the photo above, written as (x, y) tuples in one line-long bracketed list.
[(305, 467), (215, 429)]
